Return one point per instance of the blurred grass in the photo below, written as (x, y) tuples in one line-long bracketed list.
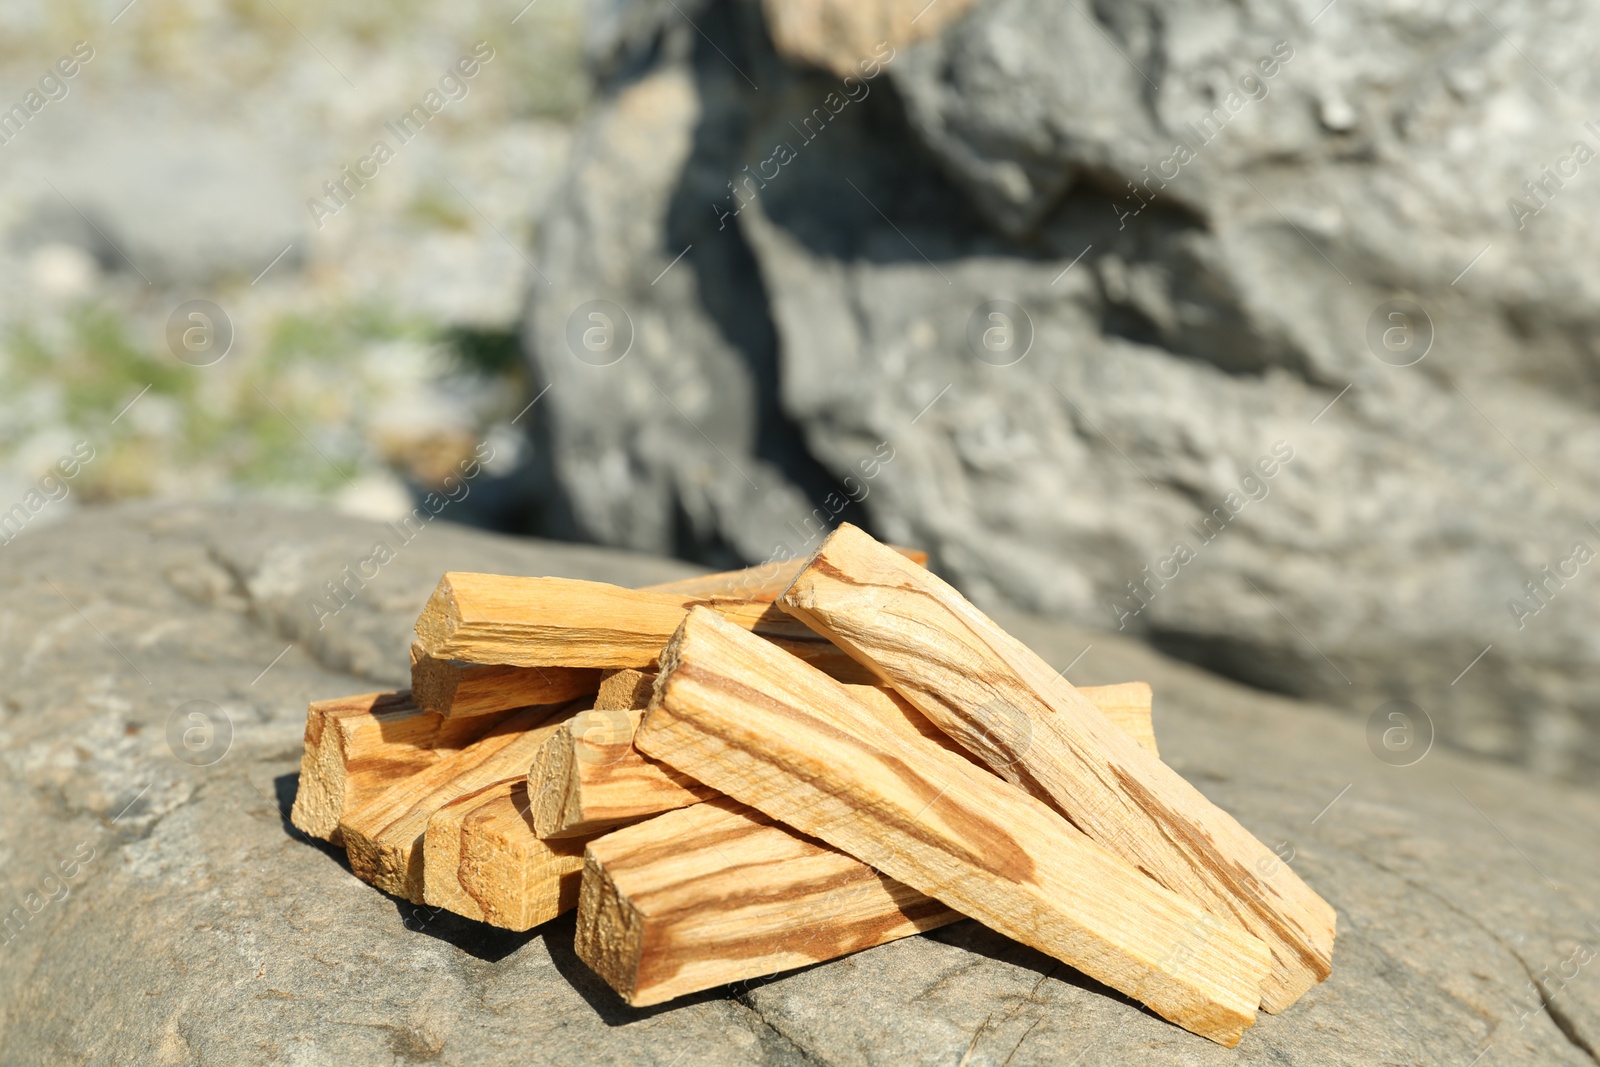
[(320, 391), (97, 363), (290, 416)]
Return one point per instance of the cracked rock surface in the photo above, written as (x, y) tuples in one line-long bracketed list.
[(162, 911)]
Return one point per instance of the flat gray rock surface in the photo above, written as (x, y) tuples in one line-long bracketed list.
[(166, 913)]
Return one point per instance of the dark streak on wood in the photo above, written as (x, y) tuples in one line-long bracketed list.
[(1232, 882), (1003, 856)]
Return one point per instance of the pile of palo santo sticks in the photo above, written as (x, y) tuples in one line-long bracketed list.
[(745, 772)]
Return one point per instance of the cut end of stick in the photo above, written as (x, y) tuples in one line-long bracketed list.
[(348, 758), (550, 781), (589, 777), (624, 690), (483, 860), (393, 868), (439, 618), (384, 838), (610, 933)]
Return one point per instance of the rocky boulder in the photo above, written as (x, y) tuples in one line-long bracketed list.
[(1262, 334)]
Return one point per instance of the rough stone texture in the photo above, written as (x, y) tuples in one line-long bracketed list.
[(1177, 335), (203, 930), (642, 438)]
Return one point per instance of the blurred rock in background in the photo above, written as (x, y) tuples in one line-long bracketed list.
[(1219, 325)]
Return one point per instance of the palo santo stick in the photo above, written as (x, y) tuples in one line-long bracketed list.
[(542, 622), (482, 860), (454, 687), (764, 581), (719, 892), (987, 690), (384, 837), (624, 689), (356, 747), (587, 777), (743, 716), (456, 690), (564, 622)]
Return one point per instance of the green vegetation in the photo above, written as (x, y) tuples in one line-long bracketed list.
[(290, 413)]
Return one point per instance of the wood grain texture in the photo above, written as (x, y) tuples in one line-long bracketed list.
[(383, 838), (564, 622), (546, 622), (481, 859), (587, 776), (719, 892), (794, 637), (624, 689), (1001, 701), (1127, 704), (741, 715), (458, 687), (456, 690), (764, 581), (358, 746)]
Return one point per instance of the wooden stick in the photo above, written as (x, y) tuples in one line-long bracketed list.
[(1001, 701), (764, 581), (543, 622), (588, 777), (456, 687), (481, 859), (384, 837), (456, 690), (356, 747), (624, 689), (719, 892), (563, 622), (743, 716)]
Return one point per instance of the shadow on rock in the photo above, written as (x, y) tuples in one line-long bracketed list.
[(612, 1009), (975, 937), (285, 788), (477, 939)]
